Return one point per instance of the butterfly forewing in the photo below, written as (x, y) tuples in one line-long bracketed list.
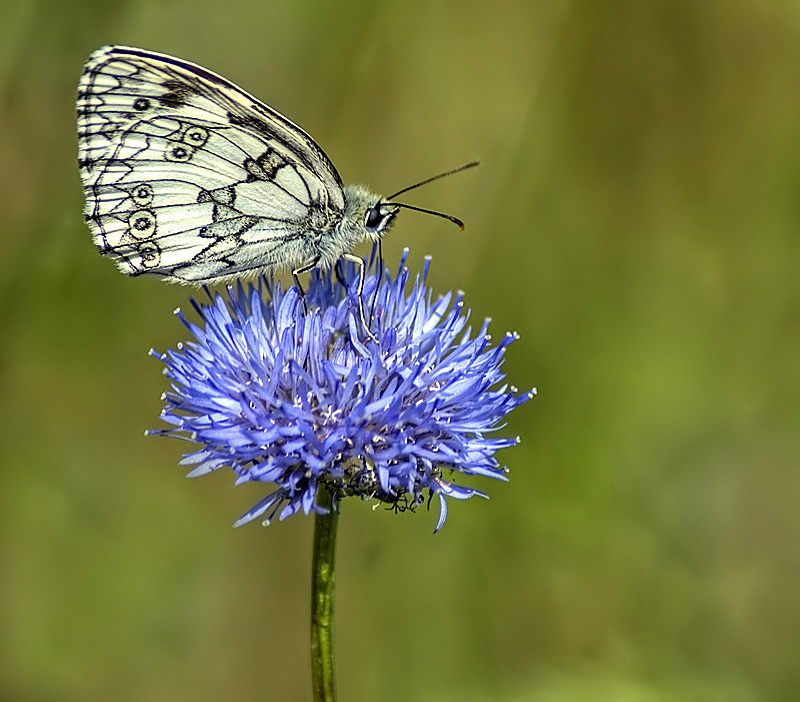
[(189, 177)]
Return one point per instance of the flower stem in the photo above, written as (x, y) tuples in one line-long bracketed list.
[(322, 592)]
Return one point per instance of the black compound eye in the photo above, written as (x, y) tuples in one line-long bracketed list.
[(373, 217)]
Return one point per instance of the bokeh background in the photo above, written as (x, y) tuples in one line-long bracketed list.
[(636, 218)]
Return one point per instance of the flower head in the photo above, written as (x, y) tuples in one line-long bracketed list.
[(299, 399)]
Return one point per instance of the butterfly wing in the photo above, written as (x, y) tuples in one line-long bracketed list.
[(189, 177)]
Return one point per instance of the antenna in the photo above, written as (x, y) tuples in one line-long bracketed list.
[(450, 218), (471, 164), (454, 220)]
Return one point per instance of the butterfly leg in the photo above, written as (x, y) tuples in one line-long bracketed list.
[(360, 263), (338, 270), (305, 268), (380, 280)]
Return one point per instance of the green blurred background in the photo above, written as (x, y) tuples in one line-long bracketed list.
[(636, 218)]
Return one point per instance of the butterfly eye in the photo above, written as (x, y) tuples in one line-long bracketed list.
[(373, 217)]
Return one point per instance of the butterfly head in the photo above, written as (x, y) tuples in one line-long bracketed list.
[(378, 218), (371, 214)]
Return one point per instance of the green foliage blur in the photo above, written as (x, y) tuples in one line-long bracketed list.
[(636, 218)]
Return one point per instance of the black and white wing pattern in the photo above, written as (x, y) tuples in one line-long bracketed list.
[(190, 178)]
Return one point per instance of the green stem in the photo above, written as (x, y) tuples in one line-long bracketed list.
[(322, 587)]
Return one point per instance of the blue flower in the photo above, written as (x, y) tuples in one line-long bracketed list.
[(298, 399)]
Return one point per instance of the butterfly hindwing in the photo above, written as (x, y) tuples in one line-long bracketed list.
[(188, 177)]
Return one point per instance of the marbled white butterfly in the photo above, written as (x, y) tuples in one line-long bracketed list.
[(190, 178)]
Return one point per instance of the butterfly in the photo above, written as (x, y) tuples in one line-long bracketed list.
[(190, 178)]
